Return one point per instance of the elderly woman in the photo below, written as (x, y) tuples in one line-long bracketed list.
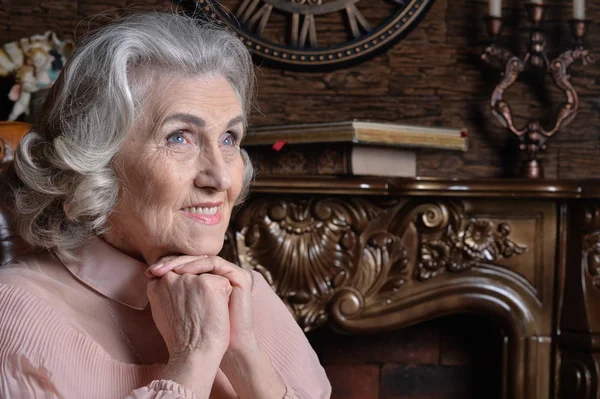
[(125, 189)]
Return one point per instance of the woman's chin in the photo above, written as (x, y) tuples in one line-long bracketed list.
[(207, 249)]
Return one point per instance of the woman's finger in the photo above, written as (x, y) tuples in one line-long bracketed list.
[(236, 275), (168, 263), (204, 264), (218, 266)]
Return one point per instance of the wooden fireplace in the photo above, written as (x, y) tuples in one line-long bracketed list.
[(366, 255)]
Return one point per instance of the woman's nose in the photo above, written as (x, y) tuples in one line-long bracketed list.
[(213, 170)]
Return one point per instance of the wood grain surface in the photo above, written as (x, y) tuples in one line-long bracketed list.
[(433, 76)]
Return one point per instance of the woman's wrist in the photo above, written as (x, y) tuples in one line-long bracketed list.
[(252, 374), (196, 370)]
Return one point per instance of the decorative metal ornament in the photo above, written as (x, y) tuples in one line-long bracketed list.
[(533, 136), (291, 32)]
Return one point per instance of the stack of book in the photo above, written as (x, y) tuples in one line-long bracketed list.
[(346, 148)]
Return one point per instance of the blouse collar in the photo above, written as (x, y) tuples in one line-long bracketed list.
[(110, 272)]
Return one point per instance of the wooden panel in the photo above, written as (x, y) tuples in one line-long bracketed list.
[(433, 76), (366, 79)]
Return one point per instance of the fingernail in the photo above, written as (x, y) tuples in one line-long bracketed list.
[(157, 266)]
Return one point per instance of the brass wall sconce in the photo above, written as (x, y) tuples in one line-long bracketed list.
[(533, 136)]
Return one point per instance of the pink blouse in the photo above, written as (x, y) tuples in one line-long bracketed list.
[(66, 328)]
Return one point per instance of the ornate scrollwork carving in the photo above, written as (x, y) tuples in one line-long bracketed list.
[(462, 248), (345, 256), (590, 224), (591, 251)]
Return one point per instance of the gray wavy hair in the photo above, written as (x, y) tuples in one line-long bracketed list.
[(62, 184)]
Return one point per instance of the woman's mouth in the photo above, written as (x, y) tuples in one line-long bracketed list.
[(204, 214)]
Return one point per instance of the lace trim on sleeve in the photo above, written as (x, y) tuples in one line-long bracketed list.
[(163, 389)]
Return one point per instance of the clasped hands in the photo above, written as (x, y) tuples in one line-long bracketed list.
[(202, 303), (202, 307)]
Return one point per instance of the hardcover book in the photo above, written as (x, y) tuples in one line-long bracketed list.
[(346, 148), (361, 132)]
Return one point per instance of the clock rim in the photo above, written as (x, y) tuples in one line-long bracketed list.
[(320, 57)]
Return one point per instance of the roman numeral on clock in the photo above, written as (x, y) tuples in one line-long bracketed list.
[(307, 32), (286, 31), (254, 17), (358, 22)]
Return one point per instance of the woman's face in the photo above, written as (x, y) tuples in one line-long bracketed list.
[(182, 174)]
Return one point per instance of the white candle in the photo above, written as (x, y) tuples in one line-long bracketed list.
[(578, 9), (496, 8)]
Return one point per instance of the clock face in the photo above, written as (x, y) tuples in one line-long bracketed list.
[(316, 33)]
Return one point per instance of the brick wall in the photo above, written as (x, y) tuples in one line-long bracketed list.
[(456, 357)]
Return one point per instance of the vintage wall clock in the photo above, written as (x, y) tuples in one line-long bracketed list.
[(316, 33)]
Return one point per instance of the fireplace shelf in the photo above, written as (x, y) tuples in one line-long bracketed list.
[(366, 255)]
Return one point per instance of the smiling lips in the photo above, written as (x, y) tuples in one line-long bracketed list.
[(207, 214)]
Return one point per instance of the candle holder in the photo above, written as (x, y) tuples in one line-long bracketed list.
[(533, 137)]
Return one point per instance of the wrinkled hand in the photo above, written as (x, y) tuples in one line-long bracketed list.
[(191, 312), (241, 324), (247, 367)]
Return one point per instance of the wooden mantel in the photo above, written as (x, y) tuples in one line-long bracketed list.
[(428, 186), (373, 254)]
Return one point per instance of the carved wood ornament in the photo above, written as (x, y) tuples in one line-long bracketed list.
[(329, 255), (591, 242), (363, 255), (592, 255), (579, 343)]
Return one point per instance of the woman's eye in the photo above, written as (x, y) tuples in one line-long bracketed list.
[(229, 140), (176, 138)]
